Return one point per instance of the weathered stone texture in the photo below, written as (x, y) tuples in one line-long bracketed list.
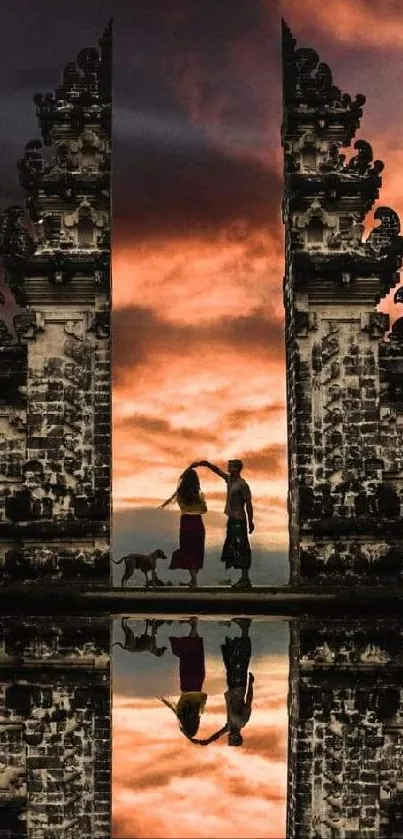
[(55, 409), (54, 728), (346, 730), (345, 403)]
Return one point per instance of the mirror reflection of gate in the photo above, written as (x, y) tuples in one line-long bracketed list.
[(55, 772)]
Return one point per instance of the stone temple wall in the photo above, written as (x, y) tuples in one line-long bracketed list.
[(346, 730), (345, 404), (55, 748), (55, 404)]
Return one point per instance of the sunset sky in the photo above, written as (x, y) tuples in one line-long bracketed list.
[(198, 250), (167, 788), (198, 262)]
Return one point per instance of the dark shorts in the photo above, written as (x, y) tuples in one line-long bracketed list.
[(236, 552)]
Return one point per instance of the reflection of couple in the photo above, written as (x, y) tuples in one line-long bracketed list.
[(236, 653), (236, 552)]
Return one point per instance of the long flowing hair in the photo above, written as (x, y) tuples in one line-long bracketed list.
[(187, 714), (188, 489), (189, 721)]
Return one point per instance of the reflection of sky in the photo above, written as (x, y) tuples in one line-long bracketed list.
[(164, 786)]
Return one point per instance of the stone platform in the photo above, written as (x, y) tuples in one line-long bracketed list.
[(52, 598)]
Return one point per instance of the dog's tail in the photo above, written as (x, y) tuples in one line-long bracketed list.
[(118, 561)]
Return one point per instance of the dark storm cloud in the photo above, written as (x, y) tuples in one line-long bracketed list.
[(236, 418), (267, 461), (169, 175), (140, 334), (352, 59), (167, 185), (172, 174), (164, 438), (202, 19), (138, 423), (37, 39)]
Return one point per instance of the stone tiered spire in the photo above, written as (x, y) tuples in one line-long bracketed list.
[(57, 258), (335, 276)]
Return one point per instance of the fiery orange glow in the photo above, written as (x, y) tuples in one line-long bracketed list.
[(198, 323), (164, 786)]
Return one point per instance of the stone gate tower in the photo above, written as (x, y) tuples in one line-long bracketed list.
[(55, 369), (345, 757), (344, 395), (55, 728)]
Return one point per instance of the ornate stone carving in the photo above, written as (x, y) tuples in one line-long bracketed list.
[(61, 270), (31, 167), (87, 154), (53, 376), (315, 225), (28, 324), (346, 455), (86, 222), (99, 322), (5, 334), (15, 240), (384, 239), (309, 81), (84, 94), (360, 164)]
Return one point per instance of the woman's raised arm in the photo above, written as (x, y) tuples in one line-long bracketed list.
[(212, 467)]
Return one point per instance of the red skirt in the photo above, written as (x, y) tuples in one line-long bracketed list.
[(190, 554)]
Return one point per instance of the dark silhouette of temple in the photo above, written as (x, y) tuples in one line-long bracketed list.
[(55, 363), (344, 389), (345, 758), (55, 725)]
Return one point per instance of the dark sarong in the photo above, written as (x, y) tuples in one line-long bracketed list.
[(236, 653), (236, 552), (190, 554), (190, 652)]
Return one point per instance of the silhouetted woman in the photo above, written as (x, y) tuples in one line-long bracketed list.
[(190, 554), (192, 701)]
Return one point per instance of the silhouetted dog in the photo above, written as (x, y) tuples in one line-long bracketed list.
[(141, 643), (144, 563)]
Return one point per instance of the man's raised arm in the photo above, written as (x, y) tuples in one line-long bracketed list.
[(212, 467)]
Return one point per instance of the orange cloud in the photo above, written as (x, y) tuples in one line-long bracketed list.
[(202, 279), (166, 787), (199, 348), (356, 22)]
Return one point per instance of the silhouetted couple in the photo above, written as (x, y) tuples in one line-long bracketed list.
[(236, 653), (236, 552)]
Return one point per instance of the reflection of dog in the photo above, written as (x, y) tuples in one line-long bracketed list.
[(141, 643), (144, 563)]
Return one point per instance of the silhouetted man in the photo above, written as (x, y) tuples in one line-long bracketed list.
[(236, 552), (236, 653)]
